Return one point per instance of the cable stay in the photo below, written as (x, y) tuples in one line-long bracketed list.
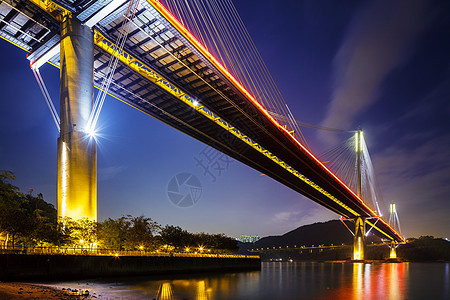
[(47, 97), (294, 125), (393, 218), (150, 34), (112, 65), (282, 118), (217, 24), (342, 220), (342, 161), (373, 225)]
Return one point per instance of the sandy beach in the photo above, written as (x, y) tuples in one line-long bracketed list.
[(15, 290)]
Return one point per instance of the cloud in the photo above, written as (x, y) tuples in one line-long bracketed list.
[(378, 40), (432, 105), (417, 179), (109, 172)]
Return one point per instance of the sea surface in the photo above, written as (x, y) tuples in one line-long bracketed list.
[(286, 280)]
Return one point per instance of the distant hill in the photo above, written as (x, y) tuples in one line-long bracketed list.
[(326, 233), (425, 248)]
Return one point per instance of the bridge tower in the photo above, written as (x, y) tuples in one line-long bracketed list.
[(359, 242), (394, 222), (77, 149)]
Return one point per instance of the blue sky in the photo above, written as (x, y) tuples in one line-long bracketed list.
[(379, 65)]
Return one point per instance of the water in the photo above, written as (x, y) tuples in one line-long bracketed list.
[(296, 280)]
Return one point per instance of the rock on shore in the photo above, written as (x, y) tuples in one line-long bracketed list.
[(15, 290)]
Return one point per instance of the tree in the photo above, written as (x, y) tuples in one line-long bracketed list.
[(30, 220), (80, 233), (14, 219), (128, 233), (225, 243), (179, 238), (141, 233), (174, 236), (113, 232)]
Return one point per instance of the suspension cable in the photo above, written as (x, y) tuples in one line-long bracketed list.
[(47, 97), (223, 31), (112, 65)]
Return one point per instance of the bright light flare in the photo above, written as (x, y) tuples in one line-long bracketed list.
[(91, 132)]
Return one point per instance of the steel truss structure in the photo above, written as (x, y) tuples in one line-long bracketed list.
[(166, 73)]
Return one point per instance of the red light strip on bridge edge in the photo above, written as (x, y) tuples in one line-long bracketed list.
[(180, 27)]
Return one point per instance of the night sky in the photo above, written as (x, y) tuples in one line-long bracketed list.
[(380, 65)]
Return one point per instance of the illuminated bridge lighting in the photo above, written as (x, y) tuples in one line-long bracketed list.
[(174, 100)]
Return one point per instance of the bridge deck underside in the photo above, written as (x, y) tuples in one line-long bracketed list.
[(171, 111), (156, 43)]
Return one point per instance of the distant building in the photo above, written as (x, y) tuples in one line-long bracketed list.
[(248, 238)]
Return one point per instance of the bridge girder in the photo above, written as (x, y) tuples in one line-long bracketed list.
[(236, 108)]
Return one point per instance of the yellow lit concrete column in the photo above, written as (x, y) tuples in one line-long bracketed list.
[(393, 250), (360, 239), (77, 151)]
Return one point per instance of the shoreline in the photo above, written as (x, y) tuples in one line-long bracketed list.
[(47, 268), (25, 290), (367, 261)]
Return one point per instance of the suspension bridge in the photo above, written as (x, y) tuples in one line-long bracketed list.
[(193, 66)]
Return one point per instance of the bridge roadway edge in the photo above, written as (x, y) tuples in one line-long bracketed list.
[(22, 267)]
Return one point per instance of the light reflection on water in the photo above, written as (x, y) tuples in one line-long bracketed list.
[(297, 280), (374, 281), (165, 291)]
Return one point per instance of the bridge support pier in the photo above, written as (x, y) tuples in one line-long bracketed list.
[(393, 250), (77, 150), (359, 242)]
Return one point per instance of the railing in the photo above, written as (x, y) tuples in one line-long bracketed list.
[(110, 252)]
